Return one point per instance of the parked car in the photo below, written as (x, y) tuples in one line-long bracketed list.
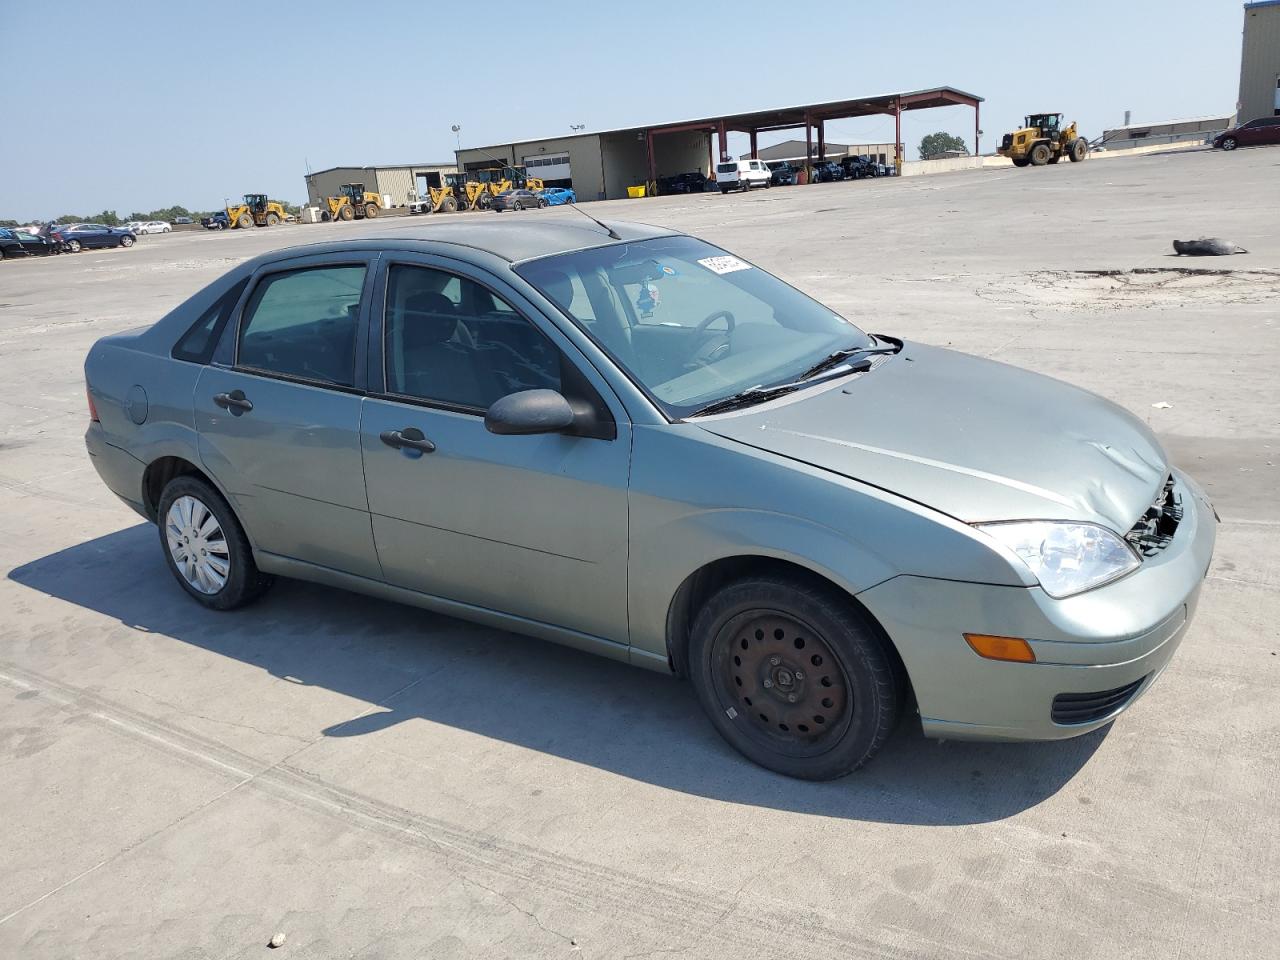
[(183, 220), (782, 174), (555, 196), (19, 243), (693, 182), (859, 167), (154, 226), (91, 235), (133, 226), (218, 221), (517, 200), (742, 174), (826, 171), (1264, 130), (696, 485)]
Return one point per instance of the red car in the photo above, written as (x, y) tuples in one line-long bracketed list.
[(1254, 133)]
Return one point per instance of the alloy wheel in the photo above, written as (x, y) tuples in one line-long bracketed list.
[(197, 545)]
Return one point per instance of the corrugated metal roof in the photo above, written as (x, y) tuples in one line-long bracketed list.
[(450, 164), (819, 107)]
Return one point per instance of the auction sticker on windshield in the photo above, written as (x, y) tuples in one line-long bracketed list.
[(724, 264)]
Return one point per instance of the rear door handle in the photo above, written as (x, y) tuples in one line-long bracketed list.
[(235, 401), (410, 438)]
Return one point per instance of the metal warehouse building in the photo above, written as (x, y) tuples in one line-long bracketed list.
[(1260, 61), (601, 166), (401, 182)]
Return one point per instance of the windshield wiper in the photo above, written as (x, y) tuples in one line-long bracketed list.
[(832, 360), (746, 398)]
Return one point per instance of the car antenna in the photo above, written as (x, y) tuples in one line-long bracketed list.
[(607, 229)]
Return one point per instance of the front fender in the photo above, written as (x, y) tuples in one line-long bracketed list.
[(697, 498)]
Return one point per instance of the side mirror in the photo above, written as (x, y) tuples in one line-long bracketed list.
[(529, 412)]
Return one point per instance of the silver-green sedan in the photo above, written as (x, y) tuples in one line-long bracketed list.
[(633, 442)]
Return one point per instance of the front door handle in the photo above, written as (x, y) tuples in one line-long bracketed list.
[(410, 438), (235, 401)]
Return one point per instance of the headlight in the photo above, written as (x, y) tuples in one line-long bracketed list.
[(1067, 558)]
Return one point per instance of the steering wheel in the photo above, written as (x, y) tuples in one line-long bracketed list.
[(714, 348), (712, 318)]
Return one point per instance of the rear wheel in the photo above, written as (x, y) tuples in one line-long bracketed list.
[(326, 216), (1020, 161), (543, 202), (345, 212), (1079, 150), (1040, 154), (370, 210), (73, 246), (794, 676), (205, 547)]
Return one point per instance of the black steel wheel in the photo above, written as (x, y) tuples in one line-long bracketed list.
[(794, 676)]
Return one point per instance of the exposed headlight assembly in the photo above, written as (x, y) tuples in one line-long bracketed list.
[(1067, 558)]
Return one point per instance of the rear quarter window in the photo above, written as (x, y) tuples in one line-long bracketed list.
[(196, 345)]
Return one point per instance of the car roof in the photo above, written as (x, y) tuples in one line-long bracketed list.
[(514, 242)]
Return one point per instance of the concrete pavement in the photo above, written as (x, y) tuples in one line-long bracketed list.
[(377, 781)]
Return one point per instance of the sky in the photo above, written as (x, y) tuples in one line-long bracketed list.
[(145, 104)]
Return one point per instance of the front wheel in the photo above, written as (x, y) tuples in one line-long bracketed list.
[(370, 210), (205, 547), (126, 241), (1079, 150), (1229, 143), (543, 203), (272, 219), (1040, 154), (517, 206), (794, 676)]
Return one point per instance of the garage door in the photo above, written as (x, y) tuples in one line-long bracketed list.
[(553, 166)]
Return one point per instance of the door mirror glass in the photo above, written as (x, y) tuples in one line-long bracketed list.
[(529, 412)]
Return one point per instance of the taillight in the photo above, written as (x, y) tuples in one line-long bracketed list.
[(93, 411)]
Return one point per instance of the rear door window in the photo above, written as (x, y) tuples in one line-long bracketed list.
[(302, 325)]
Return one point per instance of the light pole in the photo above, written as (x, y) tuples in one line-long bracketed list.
[(457, 135), (577, 127)]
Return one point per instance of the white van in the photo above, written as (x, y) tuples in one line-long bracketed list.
[(742, 173)]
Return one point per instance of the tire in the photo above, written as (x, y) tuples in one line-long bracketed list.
[(450, 205), (1229, 143), (185, 508), (73, 246), (724, 190), (345, 212), (758, 637), (1020, 161), (126, 241), (167, 230), (543, 204), (272, 219), (746, 186), (1040, 154), (1079, 150), (1, 253), (371, 210), (326, 216), (1055, 158), (244, 221), (517, 206)]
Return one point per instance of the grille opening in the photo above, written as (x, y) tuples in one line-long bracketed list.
[(1155, 529), (1088, 707)]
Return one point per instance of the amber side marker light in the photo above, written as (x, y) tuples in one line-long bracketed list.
[(1001, 648), (93, 410)]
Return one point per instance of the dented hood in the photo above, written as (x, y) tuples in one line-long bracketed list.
[(973, 438)]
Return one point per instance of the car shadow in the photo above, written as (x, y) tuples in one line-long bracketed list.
[(631, 722)]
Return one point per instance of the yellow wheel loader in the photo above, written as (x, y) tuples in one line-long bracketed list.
[(1043, 140), (355, 203), (255, 211)]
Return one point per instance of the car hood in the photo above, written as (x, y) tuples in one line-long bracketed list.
[(973, 438)]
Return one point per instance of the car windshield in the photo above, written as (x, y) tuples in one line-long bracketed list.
[(690, 323)]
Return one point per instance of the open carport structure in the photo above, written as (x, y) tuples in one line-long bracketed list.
[(601, 165)]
